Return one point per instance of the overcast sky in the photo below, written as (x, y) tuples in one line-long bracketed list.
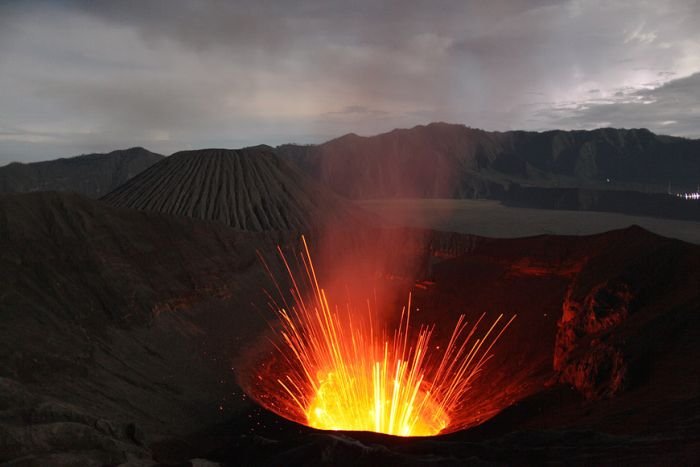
[(92, 76)]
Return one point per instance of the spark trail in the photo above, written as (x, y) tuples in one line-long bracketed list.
[(346, 372)]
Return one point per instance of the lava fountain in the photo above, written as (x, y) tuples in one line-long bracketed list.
[(336, 368)]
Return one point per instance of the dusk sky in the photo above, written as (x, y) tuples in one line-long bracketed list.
[(94, 76)]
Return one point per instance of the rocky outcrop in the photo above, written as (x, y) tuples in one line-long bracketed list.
[(583, 356), (598, 345)]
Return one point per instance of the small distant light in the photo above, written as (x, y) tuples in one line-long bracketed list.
[(693, 196)]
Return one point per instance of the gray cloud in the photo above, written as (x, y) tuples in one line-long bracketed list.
[(79, 75), (672, 108), (354, 110)]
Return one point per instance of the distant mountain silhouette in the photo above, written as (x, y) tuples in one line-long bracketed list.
[(92, 175), (249, 189), (455, 161), (438, 160)]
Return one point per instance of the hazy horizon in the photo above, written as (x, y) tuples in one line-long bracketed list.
[(368, 135)]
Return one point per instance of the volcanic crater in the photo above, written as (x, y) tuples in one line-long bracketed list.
[(141, 335), (589, 351)]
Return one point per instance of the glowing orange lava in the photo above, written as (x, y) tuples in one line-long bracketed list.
[(348, 373)]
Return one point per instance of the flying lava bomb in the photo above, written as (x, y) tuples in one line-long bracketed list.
[(338, 368)]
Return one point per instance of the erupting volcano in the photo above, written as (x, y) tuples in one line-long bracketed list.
[(342, 370)]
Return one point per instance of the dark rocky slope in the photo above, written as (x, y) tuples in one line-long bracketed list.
[(249, 189), (92, 175), (119, 329), (103, 313)]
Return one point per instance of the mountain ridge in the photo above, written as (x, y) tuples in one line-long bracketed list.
[(437, 160), (456, 161), (91, 175)]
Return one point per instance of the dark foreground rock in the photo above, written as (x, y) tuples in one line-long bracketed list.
[(120, 332)]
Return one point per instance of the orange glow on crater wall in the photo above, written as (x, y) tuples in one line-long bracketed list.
[(347, 372)]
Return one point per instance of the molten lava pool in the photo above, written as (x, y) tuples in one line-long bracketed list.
[(336, 368)]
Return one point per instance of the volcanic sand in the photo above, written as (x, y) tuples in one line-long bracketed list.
[(491, 219)]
